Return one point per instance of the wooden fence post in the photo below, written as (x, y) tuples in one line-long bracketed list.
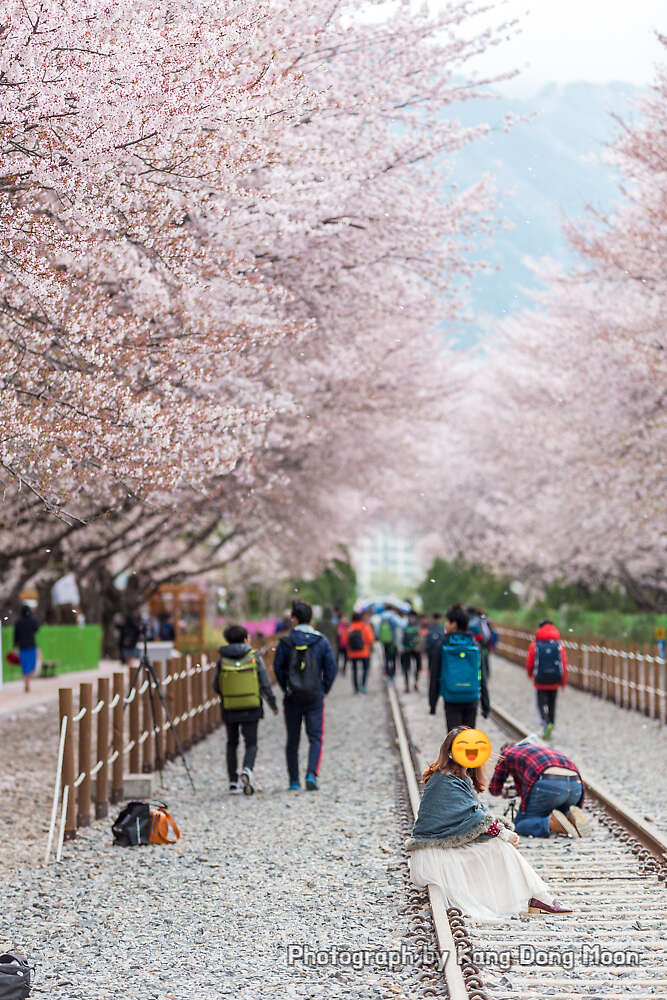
[(187, 699), (134, 729), (159, 717), (171, 698), (85, 739), (102, 779), (65, 705), (117, 767), (147, 756)]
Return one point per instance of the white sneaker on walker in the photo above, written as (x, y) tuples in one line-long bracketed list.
[(246, 781)]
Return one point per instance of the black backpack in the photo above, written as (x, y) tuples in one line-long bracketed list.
[(355, 640), (132, 825), (548, 662), (303, 674), (14, 977)]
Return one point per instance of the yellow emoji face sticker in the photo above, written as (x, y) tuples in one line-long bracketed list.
[(471, 748)]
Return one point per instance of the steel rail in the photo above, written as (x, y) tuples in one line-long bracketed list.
[(456, 986)]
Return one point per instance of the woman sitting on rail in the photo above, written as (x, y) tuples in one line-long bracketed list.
[(469, 854)]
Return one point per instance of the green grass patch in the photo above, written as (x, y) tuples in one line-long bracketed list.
[(77, 647)]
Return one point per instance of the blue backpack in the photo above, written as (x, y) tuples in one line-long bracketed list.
[(548, 662), (460, 669)]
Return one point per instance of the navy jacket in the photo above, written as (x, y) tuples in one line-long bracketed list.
[(305, 635)]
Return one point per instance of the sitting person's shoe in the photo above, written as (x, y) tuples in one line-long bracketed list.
[(559, 823), (579, 820), (246, 781), (235, 788), (311, 783), (294, 786), (537, 906)]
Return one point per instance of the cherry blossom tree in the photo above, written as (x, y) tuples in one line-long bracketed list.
[(224, 254), (566, 415)]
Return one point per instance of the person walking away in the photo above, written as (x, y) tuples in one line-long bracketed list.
[(550, 788), (469, 854), (305, 669), (130, 633), (241, 680), (167, 631), (25, 630), (546, 664), (360, 639), (341, 651), (479, 628), (410, 643), (456, 671), (434, 632), (387, 636), (327, 627)]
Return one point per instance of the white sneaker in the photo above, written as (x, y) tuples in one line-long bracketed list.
[(246, 781), (235, 788)]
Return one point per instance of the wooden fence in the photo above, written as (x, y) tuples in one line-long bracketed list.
[(629, 674), (115, 734)]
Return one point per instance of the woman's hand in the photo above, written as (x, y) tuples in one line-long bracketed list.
[(514, 839)]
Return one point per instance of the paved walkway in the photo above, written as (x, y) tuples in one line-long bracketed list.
[(13, 698)]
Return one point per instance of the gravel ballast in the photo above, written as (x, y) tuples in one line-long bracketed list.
[(215, 915), (619, 747)]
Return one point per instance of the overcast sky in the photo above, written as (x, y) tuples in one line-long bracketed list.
[(571, 40)]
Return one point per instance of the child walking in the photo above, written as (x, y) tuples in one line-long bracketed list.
[(241, 681)]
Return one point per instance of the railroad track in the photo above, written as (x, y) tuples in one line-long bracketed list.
[(611, 948)]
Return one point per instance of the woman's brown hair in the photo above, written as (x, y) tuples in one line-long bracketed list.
[(446, 764)]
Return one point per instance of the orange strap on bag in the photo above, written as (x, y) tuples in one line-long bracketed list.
[(161, 820)]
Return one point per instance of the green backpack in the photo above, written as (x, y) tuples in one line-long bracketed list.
[(386, 633), (411, 637), (239, 683)]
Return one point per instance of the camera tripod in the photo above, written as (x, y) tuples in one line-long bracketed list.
[(145, 668)]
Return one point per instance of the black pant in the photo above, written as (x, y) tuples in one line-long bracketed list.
[(461, 713), (407, 656), (546, 705), (389, 658), (342, 653), (364, 663), (249, 730)]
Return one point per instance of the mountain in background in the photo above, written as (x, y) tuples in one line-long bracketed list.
[(547, 171)]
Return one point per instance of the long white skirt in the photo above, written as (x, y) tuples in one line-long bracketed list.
[(486, 881)]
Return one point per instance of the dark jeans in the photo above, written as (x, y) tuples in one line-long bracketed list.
[(546, 705), (389, 658), (407, 656), (314, 720), (461, 713), (341, 655), (364, 663), (249, 730), (550, 791)]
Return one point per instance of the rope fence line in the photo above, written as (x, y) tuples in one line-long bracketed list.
[(629, 674), (131, 736)]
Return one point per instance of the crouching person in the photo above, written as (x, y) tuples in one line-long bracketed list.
[(550, 787), (241, 681)]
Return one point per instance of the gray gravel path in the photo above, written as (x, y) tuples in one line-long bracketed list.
[(214, 915)]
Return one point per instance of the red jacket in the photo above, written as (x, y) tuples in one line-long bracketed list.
[(367, 634), (546, 632)]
